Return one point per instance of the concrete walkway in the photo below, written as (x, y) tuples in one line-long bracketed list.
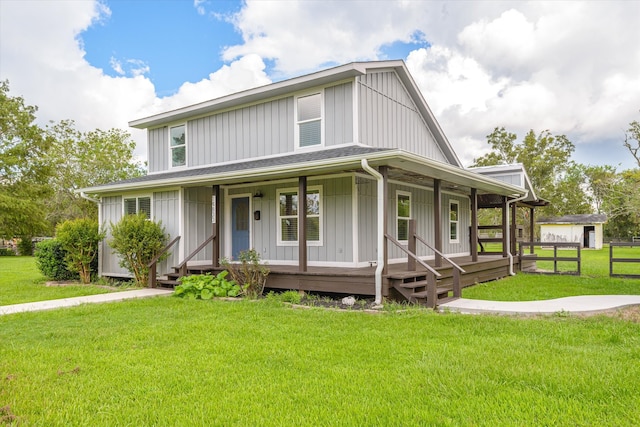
[(586, 304), (70, 302)]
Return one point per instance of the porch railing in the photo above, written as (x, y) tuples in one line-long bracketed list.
[(182, 267), (153, 273)]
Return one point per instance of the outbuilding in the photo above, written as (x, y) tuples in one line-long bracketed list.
[(584, 228)]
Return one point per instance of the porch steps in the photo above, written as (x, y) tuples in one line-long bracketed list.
[(170, 280), (413, 287)]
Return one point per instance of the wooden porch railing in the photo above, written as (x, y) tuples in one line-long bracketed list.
[(153, 264), (411, 265), (432, 290), (182, 267)]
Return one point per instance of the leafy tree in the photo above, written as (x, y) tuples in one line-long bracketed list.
[(138, 241), (83, 160), (632, 140), (24, 174), (546, 158), (80, 238)]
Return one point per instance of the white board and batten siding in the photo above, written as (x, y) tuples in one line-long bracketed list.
[(254, 131), (337, 220), (165, 208), (389, 118), (421, 210)]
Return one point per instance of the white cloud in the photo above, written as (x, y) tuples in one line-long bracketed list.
[(571, 67)]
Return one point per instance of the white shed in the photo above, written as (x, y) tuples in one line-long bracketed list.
[(586, 229)]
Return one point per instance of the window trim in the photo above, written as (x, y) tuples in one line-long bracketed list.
[(137, 198), (456, 222), (320, 216), (297, 123), (398, 217), (171, 148)]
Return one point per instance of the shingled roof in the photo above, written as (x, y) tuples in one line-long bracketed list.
[(575, 219)]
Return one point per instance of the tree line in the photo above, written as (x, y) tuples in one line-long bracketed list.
[(42, 167), (570, 187)]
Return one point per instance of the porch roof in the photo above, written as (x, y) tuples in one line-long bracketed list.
[(405, 166)]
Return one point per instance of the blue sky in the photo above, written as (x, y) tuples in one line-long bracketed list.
[(571, 67)]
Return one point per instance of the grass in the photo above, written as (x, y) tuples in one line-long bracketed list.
[(21, 281), (594, 279), (168, 361)]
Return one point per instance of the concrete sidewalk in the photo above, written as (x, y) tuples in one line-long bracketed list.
[(586, 304), (90, 299)]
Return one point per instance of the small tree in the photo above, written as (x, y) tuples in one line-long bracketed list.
[(248, 272), (80, 239), (137, 241)]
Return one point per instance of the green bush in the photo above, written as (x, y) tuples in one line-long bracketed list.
[(80, 239), (206, 286), (50, 259), (25, 246), (138, 241), (6, 252), (248, 273)]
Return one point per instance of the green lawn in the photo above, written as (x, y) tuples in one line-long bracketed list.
[(594, 279), (21, 281), (167, 361)]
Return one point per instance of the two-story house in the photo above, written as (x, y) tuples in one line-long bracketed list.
[(357, 142)]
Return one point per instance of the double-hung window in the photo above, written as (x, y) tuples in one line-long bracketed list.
[(178, 146), (309, 120), (454, 209), (288, 216), (135, 205), (403, 215)]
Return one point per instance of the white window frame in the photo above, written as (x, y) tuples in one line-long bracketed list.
[(456, 222), (171, 148), (137, 198), (320, 217), (403, 218), (298, 123)]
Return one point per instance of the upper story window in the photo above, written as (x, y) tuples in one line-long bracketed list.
[(135, 205), (178, 146), (454, 208), (309, 120), (403, 215), (288, 216)]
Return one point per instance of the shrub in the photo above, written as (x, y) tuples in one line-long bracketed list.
[(25, 246), (137, 241), (80, 239), (7, 252), (248, 273), (206, 286), (50, 259)]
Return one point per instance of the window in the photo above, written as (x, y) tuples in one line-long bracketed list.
[(453, 222), (403, 215), (178, 146), (309, 120), (288, 216), (134, 205)]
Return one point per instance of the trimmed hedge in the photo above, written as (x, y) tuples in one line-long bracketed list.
[(50, 258)]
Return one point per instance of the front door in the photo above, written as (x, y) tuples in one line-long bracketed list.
[(240, 225)]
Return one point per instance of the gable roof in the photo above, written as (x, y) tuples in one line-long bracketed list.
[(308, 81), (507, 173), (575, 219)]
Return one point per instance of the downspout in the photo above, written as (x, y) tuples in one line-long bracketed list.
[(380, 263), (509, 255)]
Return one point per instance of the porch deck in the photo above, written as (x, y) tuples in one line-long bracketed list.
[(361, 281)]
